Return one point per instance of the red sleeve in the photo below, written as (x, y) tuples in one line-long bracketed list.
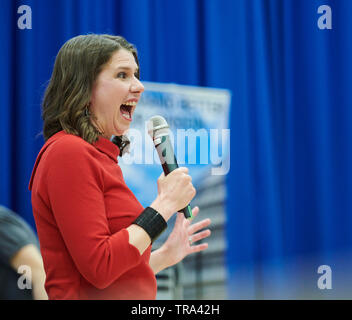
[(75, 190)]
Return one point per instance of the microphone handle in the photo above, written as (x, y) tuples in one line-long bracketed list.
[(169, 164)]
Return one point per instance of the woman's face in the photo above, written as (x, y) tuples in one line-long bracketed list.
[(115, 94)]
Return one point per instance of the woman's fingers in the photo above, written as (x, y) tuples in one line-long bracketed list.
[(199, 247), (179, 217), (199, 225), (200, 235), (195, 211)]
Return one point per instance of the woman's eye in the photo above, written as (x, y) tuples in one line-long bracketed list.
[(121, 75)]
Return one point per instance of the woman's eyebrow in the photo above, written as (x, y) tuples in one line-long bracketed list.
[(126, 68)]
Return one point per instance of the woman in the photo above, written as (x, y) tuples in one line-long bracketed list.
[(95, 236)]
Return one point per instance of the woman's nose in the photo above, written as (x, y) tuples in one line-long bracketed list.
[(137, 86)]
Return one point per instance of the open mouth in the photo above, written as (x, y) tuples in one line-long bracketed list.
[(126, 110)]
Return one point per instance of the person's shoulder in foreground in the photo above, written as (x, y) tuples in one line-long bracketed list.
[(14, 234), (19, 247)]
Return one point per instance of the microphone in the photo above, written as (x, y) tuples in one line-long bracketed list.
[(158, 130)]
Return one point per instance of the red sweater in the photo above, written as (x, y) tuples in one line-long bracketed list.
[(82, 208)]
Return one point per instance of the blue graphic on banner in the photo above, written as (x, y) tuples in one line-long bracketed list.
[(198, 120)]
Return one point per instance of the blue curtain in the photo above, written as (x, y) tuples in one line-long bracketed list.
[(289, 208), (289, 205)]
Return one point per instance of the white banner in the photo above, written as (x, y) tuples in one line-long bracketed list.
[(198, 120)]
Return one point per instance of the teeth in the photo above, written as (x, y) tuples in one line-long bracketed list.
[(127, 116), (130, 103)]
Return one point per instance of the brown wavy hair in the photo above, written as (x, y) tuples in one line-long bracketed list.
[(67, 96)]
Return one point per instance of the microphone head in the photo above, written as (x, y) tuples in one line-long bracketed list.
[(157, 127)]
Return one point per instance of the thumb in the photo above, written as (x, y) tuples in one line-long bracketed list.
[(162, 175), (161, 178)]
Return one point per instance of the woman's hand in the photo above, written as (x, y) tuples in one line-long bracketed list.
[(175, 191), (178, 244)]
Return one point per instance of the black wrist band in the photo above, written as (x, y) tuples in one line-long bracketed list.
[(152, 222)]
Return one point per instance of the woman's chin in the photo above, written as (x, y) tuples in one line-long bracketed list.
[(121, 131), (120, 128)]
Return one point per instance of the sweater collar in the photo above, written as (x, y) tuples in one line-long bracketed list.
[(108, 147), (102, 144)]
